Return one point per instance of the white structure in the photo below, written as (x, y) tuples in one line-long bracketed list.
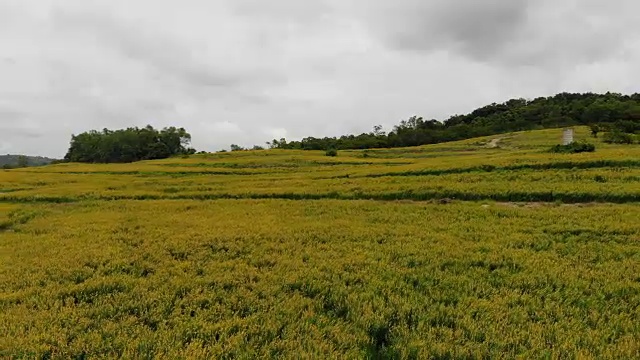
[(567, 136)]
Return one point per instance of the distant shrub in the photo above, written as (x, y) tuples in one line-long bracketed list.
[(487, 168), (618, 137), (573, 148), (331, 152), (600, 179)]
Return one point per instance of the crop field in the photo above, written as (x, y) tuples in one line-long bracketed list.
[(480, 249)]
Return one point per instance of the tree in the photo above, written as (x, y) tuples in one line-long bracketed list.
[(235, 147), (377, 131), (128, 145), (23, 161), (595, 129)]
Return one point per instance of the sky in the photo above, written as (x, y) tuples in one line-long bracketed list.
[(248, 71)]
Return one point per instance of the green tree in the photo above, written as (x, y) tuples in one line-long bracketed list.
[(128, 145), (23, 161), (606, 111)]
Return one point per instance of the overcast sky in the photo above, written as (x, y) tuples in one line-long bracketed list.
[(248, 71)]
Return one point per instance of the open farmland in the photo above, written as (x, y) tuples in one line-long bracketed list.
[(484, 248)]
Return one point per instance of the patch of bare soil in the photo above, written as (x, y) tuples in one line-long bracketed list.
[(494, 143)]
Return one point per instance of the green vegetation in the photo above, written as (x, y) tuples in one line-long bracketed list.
[(128, 145), (573, 148), (20, 161), (618, 137), (490, 247), (332, 152), (609, 113)]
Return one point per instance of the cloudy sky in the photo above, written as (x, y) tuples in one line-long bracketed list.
[(247, 71)]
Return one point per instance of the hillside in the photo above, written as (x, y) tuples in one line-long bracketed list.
[(14, 160), (616, 115), (433, 171), (490, 247)]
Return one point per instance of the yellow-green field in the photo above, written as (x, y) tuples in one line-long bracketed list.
[(451, 251)]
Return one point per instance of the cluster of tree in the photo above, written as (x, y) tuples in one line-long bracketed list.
[(235, 147), (614, 112), (21, 161), (620, 132), (128, 145)]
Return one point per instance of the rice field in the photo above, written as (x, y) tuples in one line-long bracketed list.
[(451, 251)]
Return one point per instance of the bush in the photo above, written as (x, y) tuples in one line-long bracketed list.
[(600, 179), (573, 148), (618, 137), (331, 152)]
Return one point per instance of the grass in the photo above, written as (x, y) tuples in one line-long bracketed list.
[(452, 251)]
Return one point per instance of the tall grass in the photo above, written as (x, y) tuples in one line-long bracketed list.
[(451, 251), (320, 278)]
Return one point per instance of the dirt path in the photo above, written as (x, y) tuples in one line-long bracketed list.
[(494, 143)]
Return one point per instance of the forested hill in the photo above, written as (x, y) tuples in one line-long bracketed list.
[(8, 161), (604, 112)]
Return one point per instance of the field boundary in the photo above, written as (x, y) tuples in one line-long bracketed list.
[(444, 196), (564, 165)]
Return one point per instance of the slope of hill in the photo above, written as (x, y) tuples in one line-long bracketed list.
[(15, 160), (484, 248), (615, 114)]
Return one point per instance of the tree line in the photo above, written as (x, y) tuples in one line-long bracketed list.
[(616, 114), (21, 161), (128, 145)]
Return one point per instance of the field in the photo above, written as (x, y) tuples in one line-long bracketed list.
[(485, 248)]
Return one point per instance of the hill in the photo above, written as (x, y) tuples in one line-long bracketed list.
[(616, 114), (490, 247), (15, 160)]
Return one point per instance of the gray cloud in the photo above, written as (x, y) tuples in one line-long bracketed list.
[(247, 71), (478, 29), (165, 54), (506, 32), (284, 10), (18, 125)]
